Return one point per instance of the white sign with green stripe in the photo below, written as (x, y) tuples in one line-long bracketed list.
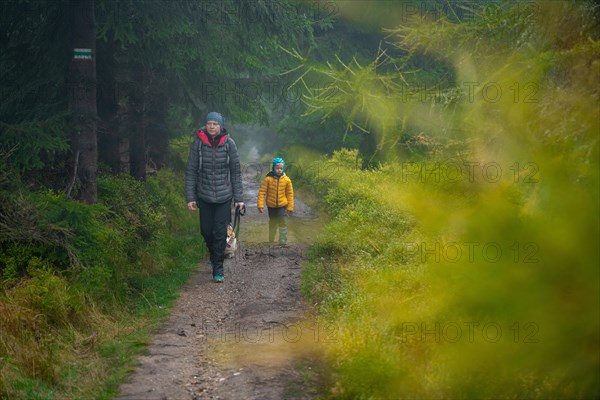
[(82, 54)]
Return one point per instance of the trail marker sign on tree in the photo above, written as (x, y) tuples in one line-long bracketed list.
[(82, 54)]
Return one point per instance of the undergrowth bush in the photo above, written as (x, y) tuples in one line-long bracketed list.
[(79, 280), (134, 208), (437, 317)]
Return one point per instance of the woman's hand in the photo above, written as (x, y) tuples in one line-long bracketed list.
[(192, 206)]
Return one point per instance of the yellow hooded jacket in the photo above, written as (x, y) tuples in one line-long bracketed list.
[(278, 190)]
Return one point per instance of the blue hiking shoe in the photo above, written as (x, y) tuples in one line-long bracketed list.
[(218, 278)]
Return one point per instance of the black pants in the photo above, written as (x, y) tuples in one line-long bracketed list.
[(277, 219), (214, 218)]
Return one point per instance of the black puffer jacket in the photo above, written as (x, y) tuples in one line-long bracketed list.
[(213, 173)]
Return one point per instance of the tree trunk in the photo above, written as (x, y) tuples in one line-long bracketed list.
[(368, 150), (137, 146), (82, 100), (137, 139), (157, 133), (124, 161), (107, 98)]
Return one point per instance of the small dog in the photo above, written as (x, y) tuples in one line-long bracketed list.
[(232, 245)]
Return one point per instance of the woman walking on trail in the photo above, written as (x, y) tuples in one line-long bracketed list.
[(213, 178), (277, 188)]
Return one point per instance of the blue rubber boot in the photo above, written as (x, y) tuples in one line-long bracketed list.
[(283, 231)]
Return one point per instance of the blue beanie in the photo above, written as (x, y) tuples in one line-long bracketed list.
[(215, 116), (277, 160)]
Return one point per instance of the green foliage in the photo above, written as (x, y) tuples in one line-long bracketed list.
[(81, 225), (32, 30), (34, 93), (33, 227), (135, 209), (301, 125), (155, 62), (309, 130), (48, 294), (34, 145), (167, 189), (82, 287), (173, 45), (515, 315), (419, 95), (98, 248), (376, 283)]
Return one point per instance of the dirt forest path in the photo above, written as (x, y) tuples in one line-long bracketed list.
[(246, 338)]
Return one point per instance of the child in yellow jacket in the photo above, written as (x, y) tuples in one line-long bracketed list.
[(278, 190)]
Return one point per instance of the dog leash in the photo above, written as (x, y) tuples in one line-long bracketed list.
[(236, 219)]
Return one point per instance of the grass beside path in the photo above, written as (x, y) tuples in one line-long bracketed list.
[(73, 331)]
